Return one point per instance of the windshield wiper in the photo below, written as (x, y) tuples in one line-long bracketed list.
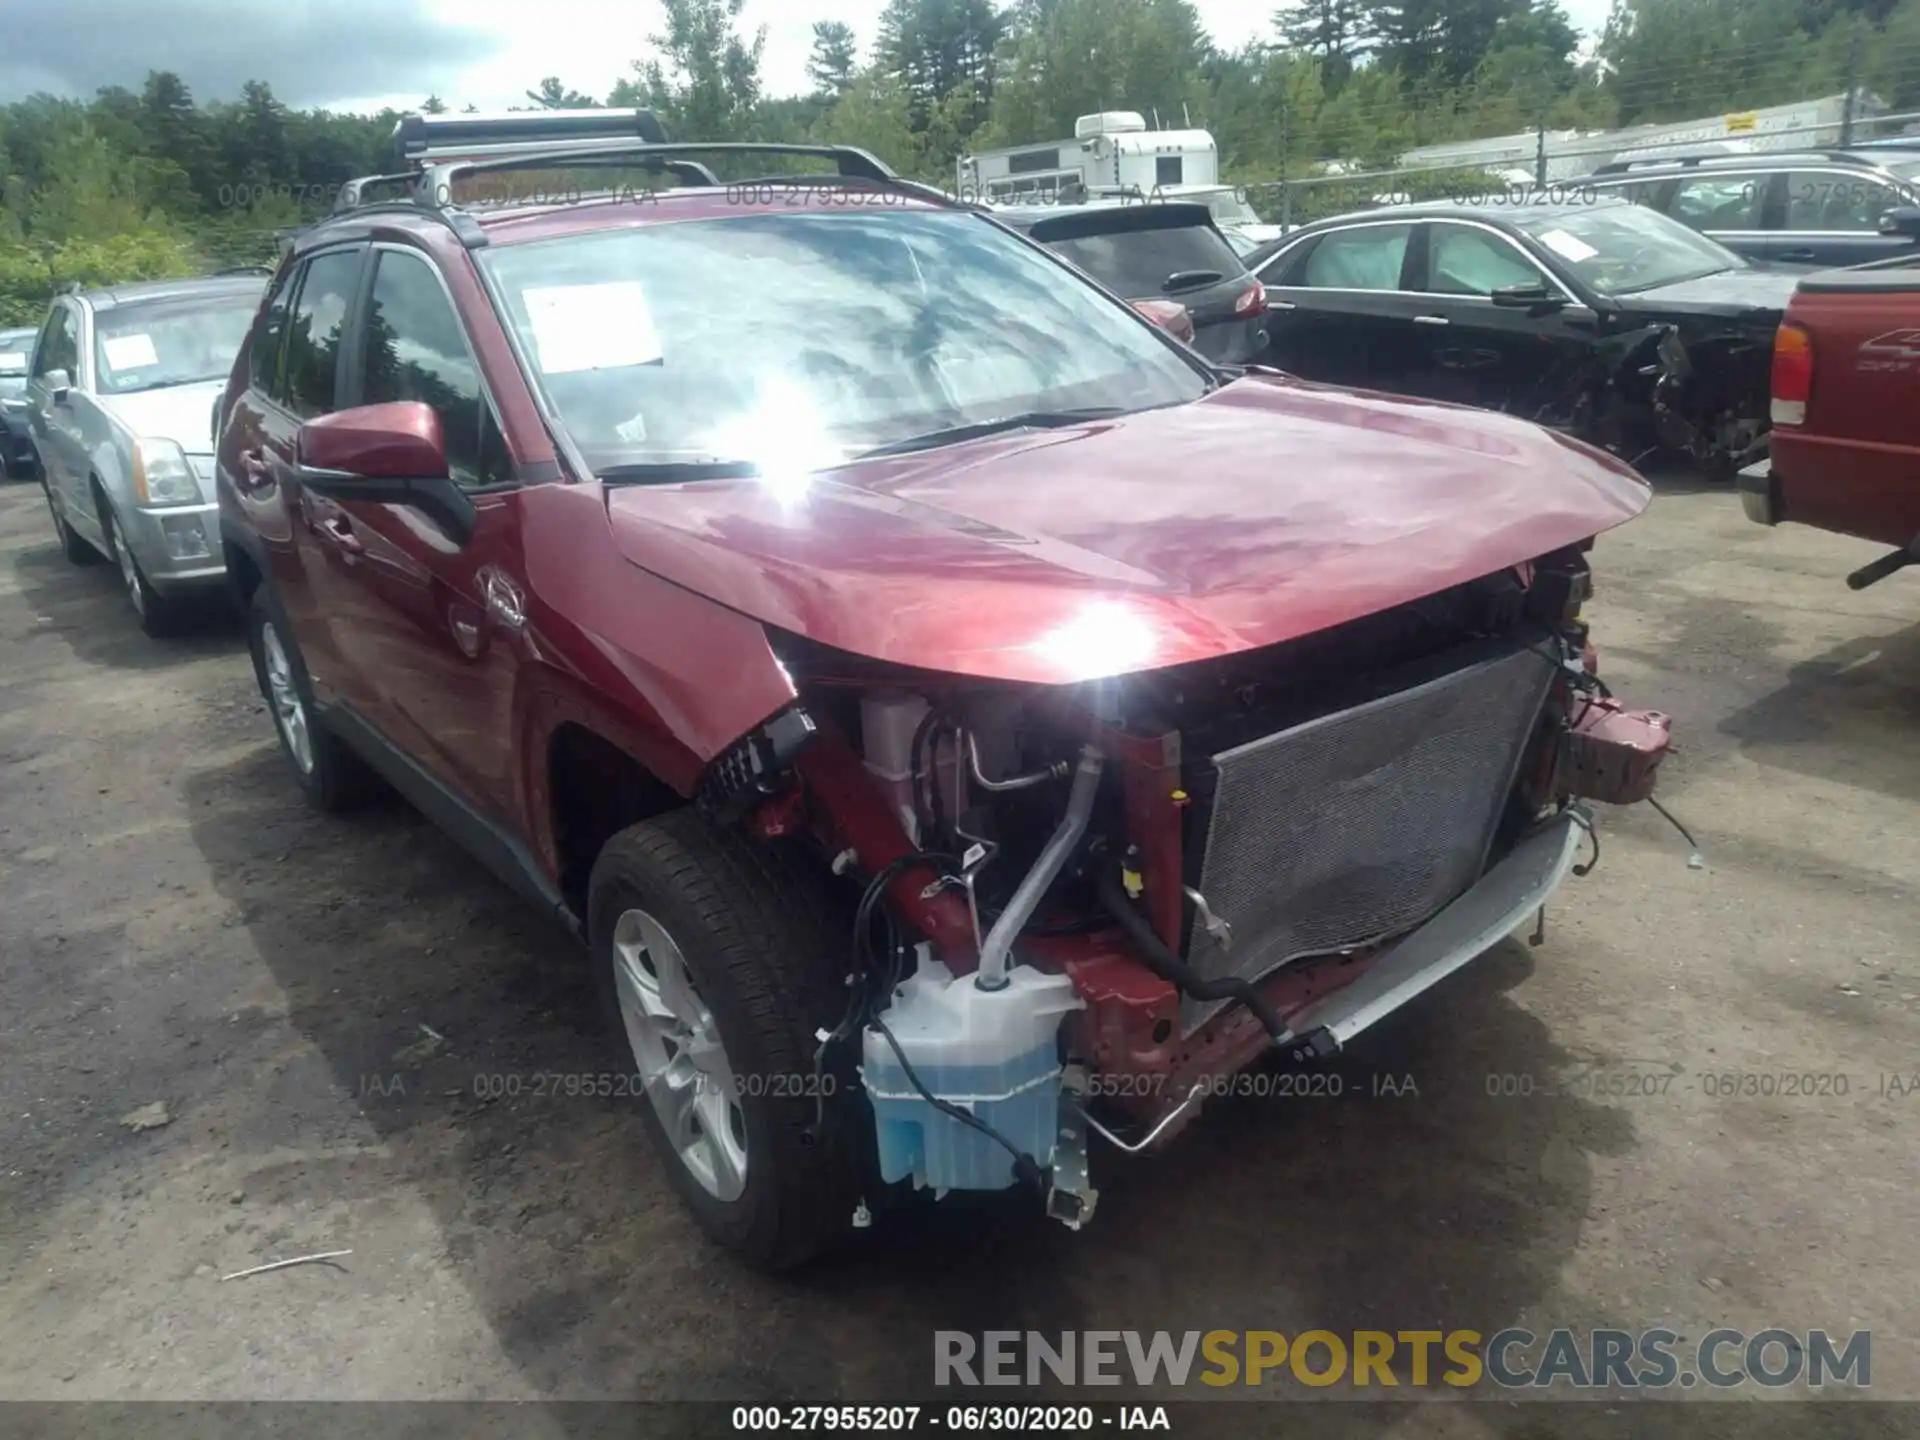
[(666, 472), (1189, 280), (1026, 420)]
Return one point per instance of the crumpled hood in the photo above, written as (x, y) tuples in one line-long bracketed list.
[(1269, 510), (180, 413), (1729, 292)]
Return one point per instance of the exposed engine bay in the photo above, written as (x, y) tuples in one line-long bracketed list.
[(1699, 391), (1074, 908)]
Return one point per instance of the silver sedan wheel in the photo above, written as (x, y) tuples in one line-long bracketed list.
[(682, 1062), (129, 570), (289, 713)]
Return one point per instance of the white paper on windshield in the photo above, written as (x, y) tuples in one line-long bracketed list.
[(1571, 246), (13, 359), (591, 327), (130, 352)]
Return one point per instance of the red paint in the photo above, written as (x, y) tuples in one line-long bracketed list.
[(1613, 754), (1853, 464), (397, 441), (1267, 511)]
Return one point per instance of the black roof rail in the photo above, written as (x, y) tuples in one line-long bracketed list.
[(240, 270)]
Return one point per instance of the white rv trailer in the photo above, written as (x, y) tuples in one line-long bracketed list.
[(1805, 125), (1110, 151)]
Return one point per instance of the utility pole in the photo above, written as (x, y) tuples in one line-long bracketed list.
[(1847, 103), (1286, 190), (1540, 154)]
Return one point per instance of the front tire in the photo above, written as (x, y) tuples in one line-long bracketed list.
[(158, 614), (333, 778), (716, 969), (77, 551)]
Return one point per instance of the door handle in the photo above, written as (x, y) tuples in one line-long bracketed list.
[(1431, 320), (1796, 255), (340, 533), (1273, 304)]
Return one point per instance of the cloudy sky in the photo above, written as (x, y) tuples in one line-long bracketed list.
[(360, 54)]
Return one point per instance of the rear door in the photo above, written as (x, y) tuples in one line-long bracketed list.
[(1527, 361), (1830, 215), (1337, 310), (296, 358), (1725, 205)]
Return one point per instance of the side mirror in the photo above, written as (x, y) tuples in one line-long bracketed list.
[(1170, 315), (59, 385), (1535, 299), (1902, 220), (393, 454)]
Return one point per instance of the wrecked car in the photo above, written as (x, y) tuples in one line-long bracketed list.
[(952, 740), (1594, 315)]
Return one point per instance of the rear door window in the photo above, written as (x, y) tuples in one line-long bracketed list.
[(1367, 257), (1137, 262), (317, 330), (1717, 202), (269, 336), (1833, 200)]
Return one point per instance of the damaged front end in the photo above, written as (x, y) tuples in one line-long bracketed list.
[(1077, 909), (1697, 389)]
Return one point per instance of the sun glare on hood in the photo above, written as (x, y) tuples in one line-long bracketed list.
[(1105, 638)]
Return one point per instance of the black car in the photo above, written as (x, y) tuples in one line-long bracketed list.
[(1159, 250), (1602, 318), (1812, 207), (16, 448)]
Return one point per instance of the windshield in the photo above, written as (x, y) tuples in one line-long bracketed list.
[(798, 341), (179, 341), (1621, 249), (1229, 208), (16, 349)]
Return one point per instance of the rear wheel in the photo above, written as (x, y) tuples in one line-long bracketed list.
[(333, 777), (716, 969)]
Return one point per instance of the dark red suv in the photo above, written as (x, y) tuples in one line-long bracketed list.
[(953, 732)]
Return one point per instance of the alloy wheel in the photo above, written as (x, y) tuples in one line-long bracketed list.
[(289, 711), (683, 1064), (129, 570)]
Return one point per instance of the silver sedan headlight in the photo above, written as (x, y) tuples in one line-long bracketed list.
[(162, 474)]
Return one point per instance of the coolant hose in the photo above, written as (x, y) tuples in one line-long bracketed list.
[(996, 950), (1171, 968)]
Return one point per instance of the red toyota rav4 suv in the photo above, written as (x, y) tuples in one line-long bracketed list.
[(953, 733)]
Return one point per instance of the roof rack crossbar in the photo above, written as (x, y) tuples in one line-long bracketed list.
[(850, 161)]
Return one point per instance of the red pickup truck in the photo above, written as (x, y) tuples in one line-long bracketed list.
[(1845, 453)]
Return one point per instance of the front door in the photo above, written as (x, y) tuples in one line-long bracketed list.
[(52, 423), (1527, 361), (433, 623)]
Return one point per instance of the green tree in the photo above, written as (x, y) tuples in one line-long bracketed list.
[(705, 81), (835, 58), (935, 47), (1333, 30), (552, 95)]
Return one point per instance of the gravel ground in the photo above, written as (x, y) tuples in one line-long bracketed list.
[(175, 927)]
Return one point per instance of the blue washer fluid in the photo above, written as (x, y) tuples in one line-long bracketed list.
[(995, 1053)]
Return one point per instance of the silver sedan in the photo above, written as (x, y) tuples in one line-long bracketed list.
[(119, 405)]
